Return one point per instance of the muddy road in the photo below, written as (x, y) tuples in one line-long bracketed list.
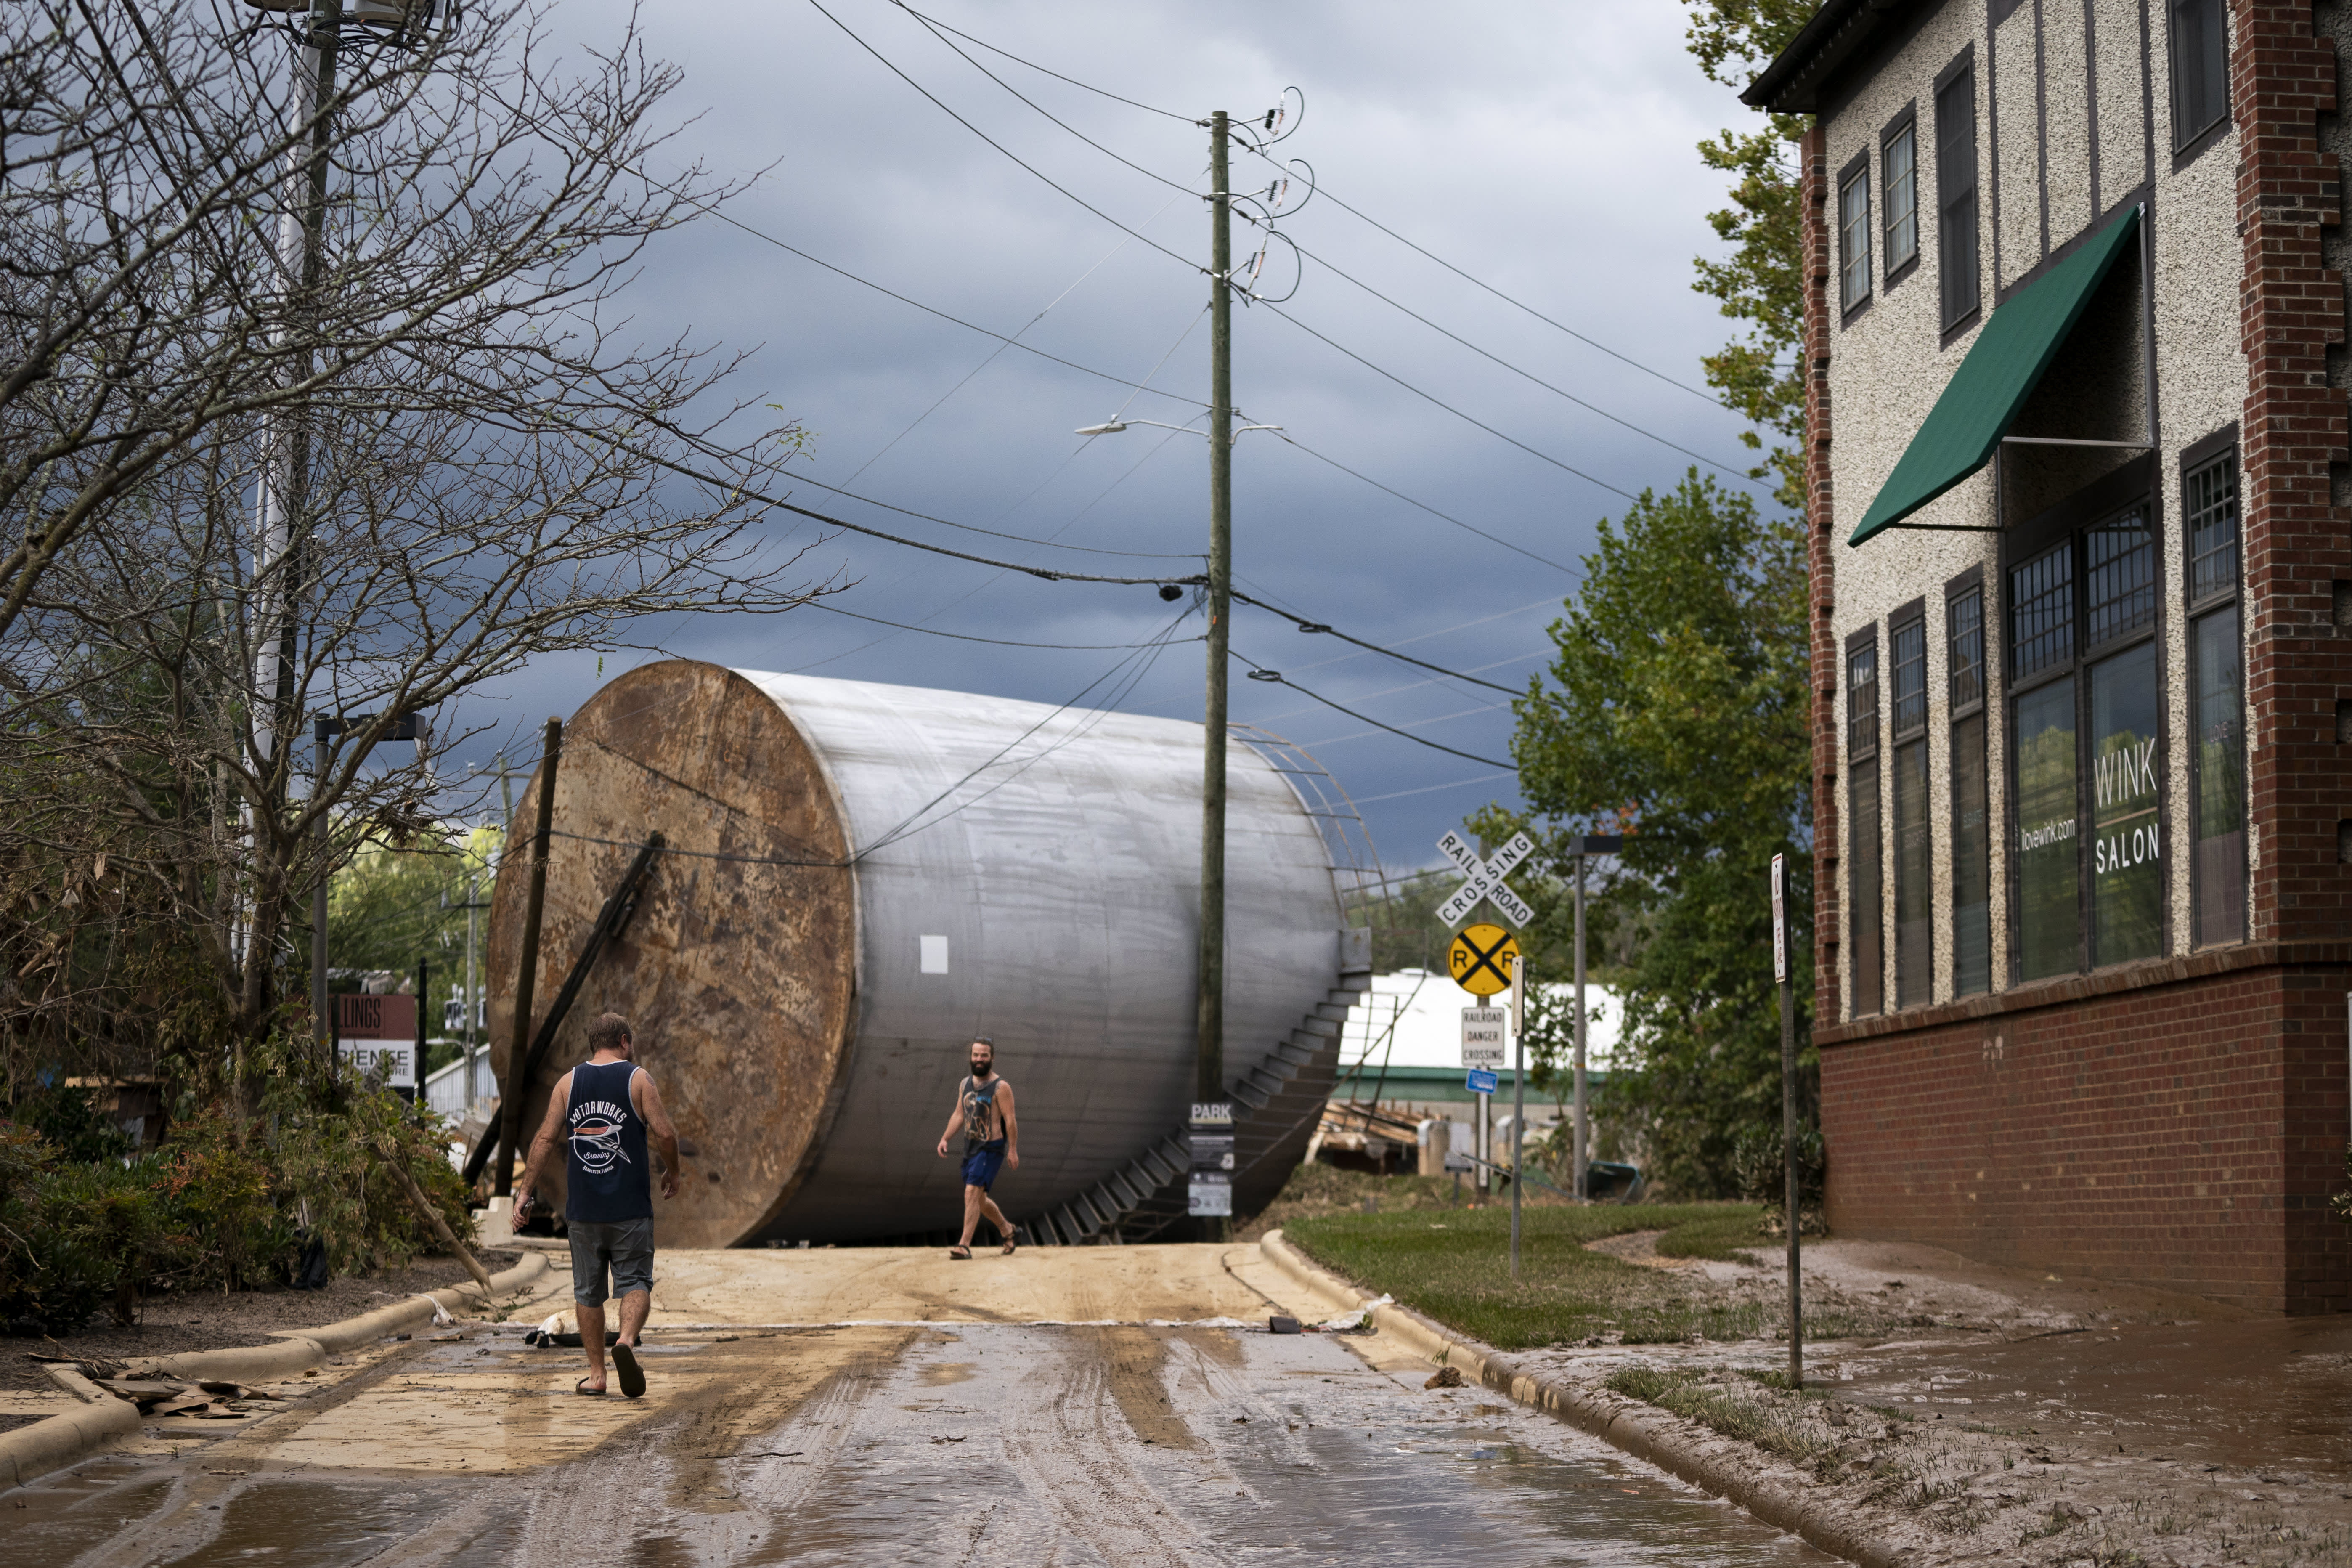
[(942, 1441)]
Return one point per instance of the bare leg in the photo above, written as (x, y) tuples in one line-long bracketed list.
[(972, 1198), (634, 1306), (995, 1216), (591, 1338)]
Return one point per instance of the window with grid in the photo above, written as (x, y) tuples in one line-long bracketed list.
[(2042, 617), (1965, 656), (1901, 159), (1955, 196), (1854, 239), (2120, 559), (1861, 702), (2210, 504), (1910, 655)]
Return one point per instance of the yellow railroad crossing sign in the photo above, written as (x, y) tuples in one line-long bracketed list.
[(1476, 958)]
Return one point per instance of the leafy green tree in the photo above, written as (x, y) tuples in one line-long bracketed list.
[(391, 908), (1675, 712)]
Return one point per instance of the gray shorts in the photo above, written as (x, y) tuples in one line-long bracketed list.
[(624, 1249)]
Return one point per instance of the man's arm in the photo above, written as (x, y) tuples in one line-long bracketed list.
[(1011, 1127), (955, 1120), (647, 1097), (542, 1145)]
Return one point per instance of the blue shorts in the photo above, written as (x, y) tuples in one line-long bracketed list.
[(982, 1162)]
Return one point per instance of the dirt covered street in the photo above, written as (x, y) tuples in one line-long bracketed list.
[(1085, 1407)]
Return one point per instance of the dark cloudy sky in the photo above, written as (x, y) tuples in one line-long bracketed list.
[(1545, 149)]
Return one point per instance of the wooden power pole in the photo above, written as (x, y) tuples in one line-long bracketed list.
[(519, 1032), (1210, 1082)]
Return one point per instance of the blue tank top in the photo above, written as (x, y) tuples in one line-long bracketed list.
[(611, 1175)]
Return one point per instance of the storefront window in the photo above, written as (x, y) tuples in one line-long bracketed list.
[(2217, 784), (2126, 861), (2049, 902)]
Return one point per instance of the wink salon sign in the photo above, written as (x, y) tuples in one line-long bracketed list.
[(2124, 787)]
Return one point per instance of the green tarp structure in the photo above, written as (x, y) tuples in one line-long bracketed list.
[(2003, 367)]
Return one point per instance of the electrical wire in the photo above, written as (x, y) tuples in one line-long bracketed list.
[(1057, 75), (999, 642), (1433, 398), (1275, 675), (1432, 789), (1306, 625), (1458, 626), (1412, 724), (1424, 506), (1000, 146), (994, 533)]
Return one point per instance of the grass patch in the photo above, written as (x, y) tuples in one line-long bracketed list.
[(1456, 1267), (1728, 1408), (1719, 1235)]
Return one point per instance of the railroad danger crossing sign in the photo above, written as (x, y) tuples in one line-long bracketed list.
[(1483, 1040), (1475, 958), (1484, 880)]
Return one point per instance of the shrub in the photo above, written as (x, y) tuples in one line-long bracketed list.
[(1759, 1161)]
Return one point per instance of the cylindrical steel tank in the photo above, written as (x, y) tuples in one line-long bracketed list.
[(857, 879)]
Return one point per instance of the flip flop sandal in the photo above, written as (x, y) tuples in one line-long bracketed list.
[(960, 1253), (581, 1387), (632, 1376), (1008, 1247)]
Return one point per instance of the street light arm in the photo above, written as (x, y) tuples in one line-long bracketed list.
[(1113, 426)]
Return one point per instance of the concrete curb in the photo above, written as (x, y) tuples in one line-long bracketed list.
[(1679, 1448), (32, 1451)]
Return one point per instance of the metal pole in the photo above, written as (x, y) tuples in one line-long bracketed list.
[(473, 892), (320, 1028), (1789, 1126), (519, 1031), (1518, 1095), (1210, 1008), (423, 990), (1583, 1154)]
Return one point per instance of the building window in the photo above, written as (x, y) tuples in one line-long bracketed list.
[(1956, 192), (1971, 801), (1854, 236), (2218, 780), (1914, 868), (1900, 161), (2200, 70), (1865, 946), (2089, 744)]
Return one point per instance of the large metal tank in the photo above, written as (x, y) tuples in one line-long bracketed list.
[(857, 879)]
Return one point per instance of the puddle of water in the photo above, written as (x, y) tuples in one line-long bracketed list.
[(2259, 1394), (296, 1524), (58, 1518)]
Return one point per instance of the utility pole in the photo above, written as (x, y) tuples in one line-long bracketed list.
[(1209, 1012), (519, 1032), (1585, 845)]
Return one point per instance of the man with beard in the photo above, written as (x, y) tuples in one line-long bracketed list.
[(604, 1109), (992, 1141)]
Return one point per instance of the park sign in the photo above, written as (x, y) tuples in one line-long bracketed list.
[(1484, 879), (1209, 1191)]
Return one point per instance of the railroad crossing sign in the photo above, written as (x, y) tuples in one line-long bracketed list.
[(1475, 958), (1486, 879)]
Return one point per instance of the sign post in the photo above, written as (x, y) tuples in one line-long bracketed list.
[(1209, 1195), (1518, 1098), (1788, 1118), (1583, 846)]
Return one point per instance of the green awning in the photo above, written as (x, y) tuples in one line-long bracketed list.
[(2002, 368)]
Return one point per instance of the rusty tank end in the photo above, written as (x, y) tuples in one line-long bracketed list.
[(860, 877)]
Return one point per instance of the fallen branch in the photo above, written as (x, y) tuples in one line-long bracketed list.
[(441, 1227)]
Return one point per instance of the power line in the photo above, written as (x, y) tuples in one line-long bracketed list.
[(1393, 691), (1424, 506), (999, 642), (1057, 75), (1410, 724), (1305, 624), (985, 136), (994, 533), (1432, 397), (1432, 789), (1261, 672)]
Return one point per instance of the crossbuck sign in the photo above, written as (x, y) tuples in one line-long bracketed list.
[(1486, 879)]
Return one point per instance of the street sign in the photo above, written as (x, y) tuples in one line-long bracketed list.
[(1481, 1082), (1780, 922), (1485, 878), (378, 1034), (1475, 958), (395, 1060), (1208, 1192), (1483, 1036)]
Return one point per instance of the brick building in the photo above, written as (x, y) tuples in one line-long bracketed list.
[(2082, 633)]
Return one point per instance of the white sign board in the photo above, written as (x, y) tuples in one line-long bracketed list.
[(1209, 1195), (1780, 922), (1484, 1039), (1484, 879), (396, 1059)]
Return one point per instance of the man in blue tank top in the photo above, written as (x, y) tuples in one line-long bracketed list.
[(991, 1141), (603, 1110)]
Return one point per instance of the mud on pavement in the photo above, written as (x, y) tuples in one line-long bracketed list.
[(949, 1442)]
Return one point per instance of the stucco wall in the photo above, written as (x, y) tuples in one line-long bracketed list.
[(1887, 368)]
